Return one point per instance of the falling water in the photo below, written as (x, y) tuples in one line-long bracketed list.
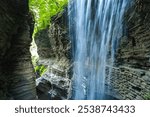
[(97, 29)]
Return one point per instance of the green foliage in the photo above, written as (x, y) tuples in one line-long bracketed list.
[(147, 96), (43, 10), (40, 69)]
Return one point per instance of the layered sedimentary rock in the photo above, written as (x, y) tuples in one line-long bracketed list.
[(16, 71), (54, 52), (130, 77)]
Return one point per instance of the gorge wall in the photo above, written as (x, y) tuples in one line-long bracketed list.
[(131, 74), (130, 77), (16, 70), (54, 53)]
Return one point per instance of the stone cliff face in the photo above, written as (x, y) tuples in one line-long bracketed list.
[(16, 71), (131, 76), (54, 52), (134, 47)]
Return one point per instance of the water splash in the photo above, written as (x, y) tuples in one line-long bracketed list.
[(95, 34)]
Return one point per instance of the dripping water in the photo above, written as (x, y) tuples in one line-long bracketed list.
[(95, 29)]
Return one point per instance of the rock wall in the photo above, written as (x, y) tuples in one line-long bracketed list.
[(134, 46), (130, 77), (129, 83), (131, 74), (54, 52), (16, 70)]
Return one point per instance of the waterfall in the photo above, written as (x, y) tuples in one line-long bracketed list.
[(95, 33)]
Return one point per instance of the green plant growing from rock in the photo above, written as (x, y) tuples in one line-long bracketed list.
[(40, 70), (43, 10)]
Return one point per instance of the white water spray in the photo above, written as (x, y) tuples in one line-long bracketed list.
[(95, 34)]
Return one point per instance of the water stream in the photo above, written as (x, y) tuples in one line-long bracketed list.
[(95, 35)]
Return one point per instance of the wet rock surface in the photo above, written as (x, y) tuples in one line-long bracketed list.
[(130, 76), (52, 87), (134, 46), (54, 52), (129, 83)]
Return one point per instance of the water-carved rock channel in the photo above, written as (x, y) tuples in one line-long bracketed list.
[(90, 50)]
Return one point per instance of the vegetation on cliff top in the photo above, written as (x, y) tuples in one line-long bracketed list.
[(43, 10)]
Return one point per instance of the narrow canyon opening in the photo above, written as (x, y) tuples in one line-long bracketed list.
[(82, 50)]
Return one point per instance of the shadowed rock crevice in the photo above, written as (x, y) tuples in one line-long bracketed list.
[(16, 70)]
